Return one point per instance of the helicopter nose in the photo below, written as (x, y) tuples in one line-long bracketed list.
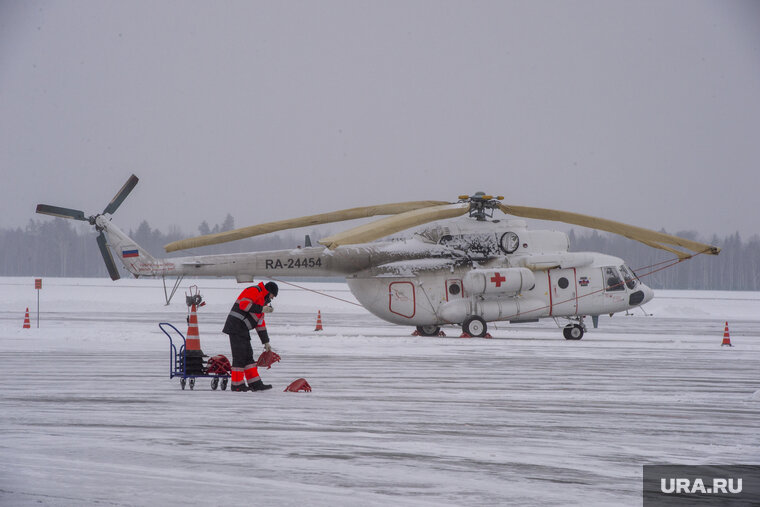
[(648, 294), (641, 296)]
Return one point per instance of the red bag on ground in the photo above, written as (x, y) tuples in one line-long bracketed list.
[(268, 359), (298, 385), (218, 365)]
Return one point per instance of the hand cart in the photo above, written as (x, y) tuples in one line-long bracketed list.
[(178, 362)]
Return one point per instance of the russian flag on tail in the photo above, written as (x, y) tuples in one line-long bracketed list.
[(130, 253)]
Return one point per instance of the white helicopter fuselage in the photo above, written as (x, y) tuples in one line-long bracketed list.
[(499, 292), (534, 277)]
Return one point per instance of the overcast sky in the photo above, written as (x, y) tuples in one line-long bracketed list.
[(642, 112)]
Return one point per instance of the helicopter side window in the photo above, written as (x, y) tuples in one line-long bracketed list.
[(612, 278), (630, 279)]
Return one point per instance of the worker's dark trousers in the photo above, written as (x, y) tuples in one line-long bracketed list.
[(242, 359), (242, 352)]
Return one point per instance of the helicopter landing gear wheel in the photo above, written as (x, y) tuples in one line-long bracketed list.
[(474, 326), (214, 383), (182, 382), (192, 384), (573, 332), (428, 330), (224, 384)]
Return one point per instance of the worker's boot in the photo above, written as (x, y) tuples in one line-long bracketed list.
[(239, 388), (259, 386)]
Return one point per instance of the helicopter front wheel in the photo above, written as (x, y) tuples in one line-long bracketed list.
[(474, 326), (573, 332), (428, 330)]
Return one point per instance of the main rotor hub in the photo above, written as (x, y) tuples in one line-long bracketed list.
[(481, 205)]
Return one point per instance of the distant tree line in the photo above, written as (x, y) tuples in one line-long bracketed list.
[(66, 248)]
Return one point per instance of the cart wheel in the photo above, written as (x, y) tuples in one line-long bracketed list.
[(224, 384), (214, 383), (192, 383), (182, 383)]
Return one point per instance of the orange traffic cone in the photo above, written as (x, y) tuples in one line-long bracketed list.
[(27, 324), (193, 352), (319, 321), (726, 337), (193, 336)]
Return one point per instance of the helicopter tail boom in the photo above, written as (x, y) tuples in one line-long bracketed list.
[(133, 257)]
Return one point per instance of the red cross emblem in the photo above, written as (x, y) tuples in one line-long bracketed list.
[(497, 279)]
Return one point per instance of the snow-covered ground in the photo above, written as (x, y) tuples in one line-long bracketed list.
[(89, 416)]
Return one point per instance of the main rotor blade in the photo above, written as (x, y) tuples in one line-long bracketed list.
[(57, 211), (646, 236), (107, 257), (386, 226), (121, 195), (323, 218)]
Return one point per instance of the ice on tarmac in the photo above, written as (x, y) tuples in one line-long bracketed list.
[(89, 415)]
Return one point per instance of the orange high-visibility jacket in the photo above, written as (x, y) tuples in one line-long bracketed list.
[(247, 314)]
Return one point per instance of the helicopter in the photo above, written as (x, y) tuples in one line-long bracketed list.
[(460, 265)]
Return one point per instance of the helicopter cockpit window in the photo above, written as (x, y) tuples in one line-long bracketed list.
[(612, 278), (630, 279)]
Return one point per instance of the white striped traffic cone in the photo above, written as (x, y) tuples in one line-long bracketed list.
[(726, 337)]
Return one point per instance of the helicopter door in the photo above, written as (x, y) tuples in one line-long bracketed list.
[(454, 289), (563, 292), (401, 299)]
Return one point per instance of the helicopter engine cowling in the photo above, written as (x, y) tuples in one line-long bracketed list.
[(506, 281)]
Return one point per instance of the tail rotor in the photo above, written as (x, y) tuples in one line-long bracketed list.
[(75, 214)]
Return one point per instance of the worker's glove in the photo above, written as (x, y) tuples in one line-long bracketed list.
[(267, 309), (267, 347)]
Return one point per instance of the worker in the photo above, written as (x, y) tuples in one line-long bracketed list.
[(248, 313)]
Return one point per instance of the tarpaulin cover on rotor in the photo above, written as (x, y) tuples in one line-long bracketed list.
[(323, 218), (393, 224), (646, 236), (268, 358)]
